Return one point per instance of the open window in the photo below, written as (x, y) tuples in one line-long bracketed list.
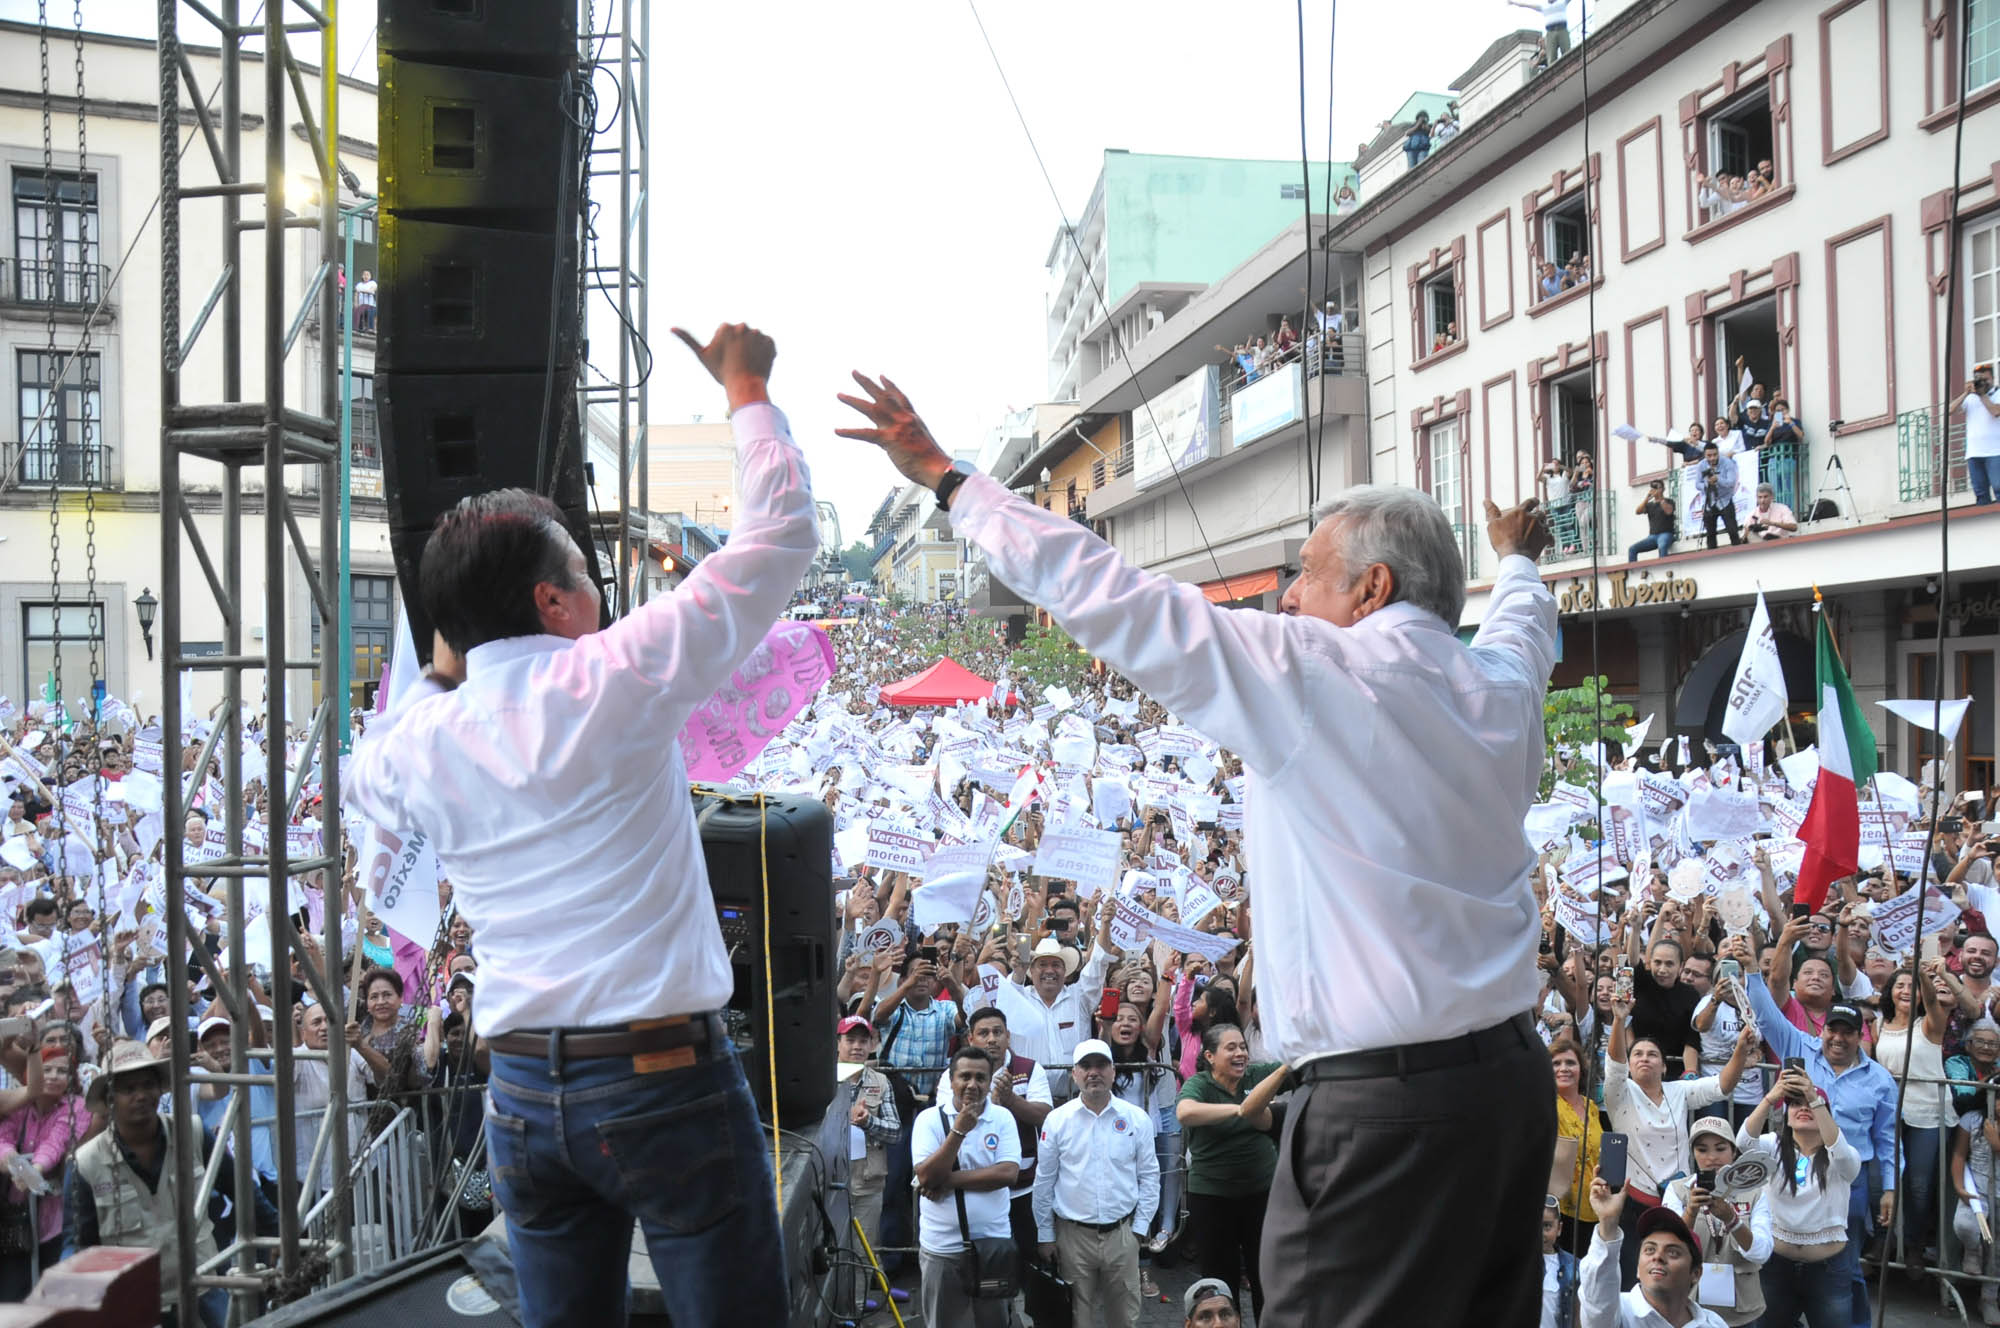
[(1446, 480), (1441, 313), (1750, 332), (1572, 418), (1566, 231), (1736, 138)]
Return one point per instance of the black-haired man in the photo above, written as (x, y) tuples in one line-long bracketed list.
[(1669, 1270), (971, 1157), (503, 756)]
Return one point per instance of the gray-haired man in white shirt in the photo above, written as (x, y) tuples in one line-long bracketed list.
[(540, 758), (1389, 949)]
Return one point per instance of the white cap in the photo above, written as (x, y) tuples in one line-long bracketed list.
[(1091, 1047)]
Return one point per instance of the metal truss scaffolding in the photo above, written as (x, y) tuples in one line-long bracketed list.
[(216, 433), (623, 56)]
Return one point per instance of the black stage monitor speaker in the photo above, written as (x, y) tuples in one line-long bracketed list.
[(474, 299), (791, 838), (470, 140)]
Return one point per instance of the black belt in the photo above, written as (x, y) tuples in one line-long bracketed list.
[(1502, 1039), (1112, 1225), (633, 1039)]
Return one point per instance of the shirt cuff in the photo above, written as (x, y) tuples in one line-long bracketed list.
[(1520, 562), (758, 419)]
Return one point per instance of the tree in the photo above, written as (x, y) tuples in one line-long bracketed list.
[(858, 559), (1049, 658), (1573, 719)]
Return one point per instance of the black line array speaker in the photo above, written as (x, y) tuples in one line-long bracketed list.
[(479, 311)]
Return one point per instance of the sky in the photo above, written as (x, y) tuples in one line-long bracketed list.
[(852, 179)]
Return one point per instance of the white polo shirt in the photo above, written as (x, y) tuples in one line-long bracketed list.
[(986, 1211)]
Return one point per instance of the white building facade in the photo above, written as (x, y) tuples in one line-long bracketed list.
[(1829, 285), (91, 436)]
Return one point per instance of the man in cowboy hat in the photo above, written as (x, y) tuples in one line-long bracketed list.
[(1669, 1269), (121, 1190), (1056, 1014)]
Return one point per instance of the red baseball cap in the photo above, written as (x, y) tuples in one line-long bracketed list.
[(854, 1023)]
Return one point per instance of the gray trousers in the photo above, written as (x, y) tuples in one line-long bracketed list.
[(1414, 1199), (1102, 1269), (946, 1305)]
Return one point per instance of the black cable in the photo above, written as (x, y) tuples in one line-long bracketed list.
[(1083, 261), (1943, 472), (1326, 269)]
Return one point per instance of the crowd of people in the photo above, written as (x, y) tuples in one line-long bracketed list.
[(1722, 193), (85, 1108), (1319, 348), (1686, 1008), (1553, 281)]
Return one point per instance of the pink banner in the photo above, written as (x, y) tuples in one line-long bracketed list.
[(785, 671)]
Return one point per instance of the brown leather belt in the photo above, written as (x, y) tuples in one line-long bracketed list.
[(634, 1039)]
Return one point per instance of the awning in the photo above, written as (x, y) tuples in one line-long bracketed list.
[(940, 684), (1241, 587), (1704, 693)]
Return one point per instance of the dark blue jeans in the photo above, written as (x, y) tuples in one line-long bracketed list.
[(1659, 544), (1817, 1290), (579, 1150), (1918, 1205), (1984, 472)]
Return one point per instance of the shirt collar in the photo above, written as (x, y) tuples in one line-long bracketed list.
[(507, 649), (1401, 613)]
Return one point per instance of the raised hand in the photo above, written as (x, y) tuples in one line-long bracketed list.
[(898, 431), (739, 357), (1518, 529)]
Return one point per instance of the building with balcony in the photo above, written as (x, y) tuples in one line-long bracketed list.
[(916, 556), (1825, 284), (79, 346), (1156, 231)]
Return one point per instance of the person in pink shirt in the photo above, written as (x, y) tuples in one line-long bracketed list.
[(1803, 996), (47, 1126)]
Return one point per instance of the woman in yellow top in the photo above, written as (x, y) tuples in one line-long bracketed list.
[(1577, 1117)]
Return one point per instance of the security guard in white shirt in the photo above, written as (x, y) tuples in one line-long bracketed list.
[(1097, 1185)]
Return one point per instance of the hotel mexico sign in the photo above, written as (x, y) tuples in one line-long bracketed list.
[(1625, 592)]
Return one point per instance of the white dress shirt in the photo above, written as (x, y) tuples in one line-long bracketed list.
[(1359, 743), (987, 1212), (1657, 1133), (552, 786), (1096, 1167), (1600, 1306), (1047, 1034)]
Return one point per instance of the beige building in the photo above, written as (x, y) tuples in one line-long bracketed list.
[(691, 469), (91, 436)]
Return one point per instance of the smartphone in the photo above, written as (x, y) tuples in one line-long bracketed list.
[(1794, 1063), (1621, 983), (1705, 1180), (1060, 926), (19, 1026), (1611, 1160), (1950, 825), (928, 953), (1107, 1004), (1990, 827), (1729, 970)]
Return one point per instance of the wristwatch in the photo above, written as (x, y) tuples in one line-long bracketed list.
[(948, 483)]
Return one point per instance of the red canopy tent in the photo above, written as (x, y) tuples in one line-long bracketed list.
[(940, 684)]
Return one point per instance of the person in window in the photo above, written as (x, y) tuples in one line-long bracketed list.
[(1448, 337), (1582, 486), (1658, 509), (1770, 519), (1417, 143), (1288, 339), (1552, 279), (1784, 425)]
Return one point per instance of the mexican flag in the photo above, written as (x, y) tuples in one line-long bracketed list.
[(1832, 828)]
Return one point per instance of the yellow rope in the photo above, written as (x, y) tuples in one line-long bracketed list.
[(875, 1263), (770, 1009)]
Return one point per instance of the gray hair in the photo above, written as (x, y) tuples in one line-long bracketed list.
[(1766, 488), (1405, 530)]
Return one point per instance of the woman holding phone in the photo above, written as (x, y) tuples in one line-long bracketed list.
[(1735, 1234), (1652, 1113), (1811, 1268)]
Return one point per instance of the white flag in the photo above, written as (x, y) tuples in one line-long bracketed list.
[(1757, 697), (1943, 719)]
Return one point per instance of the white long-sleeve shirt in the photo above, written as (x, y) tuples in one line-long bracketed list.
[(1810, 1213), (1375, 928), (1096, 1167), (1600, 1306), (1656, 1132), (552, 786)]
